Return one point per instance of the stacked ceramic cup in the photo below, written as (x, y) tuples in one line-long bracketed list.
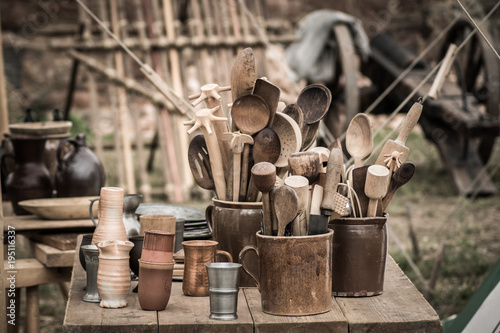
[(156, 268)]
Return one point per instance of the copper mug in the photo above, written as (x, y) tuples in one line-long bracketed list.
[(198, 253)]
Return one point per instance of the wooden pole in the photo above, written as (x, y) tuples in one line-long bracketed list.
[(186, 177), (4, 114), (123, 107), (112, 92)]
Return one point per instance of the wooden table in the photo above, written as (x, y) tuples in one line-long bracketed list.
[(401, 308)]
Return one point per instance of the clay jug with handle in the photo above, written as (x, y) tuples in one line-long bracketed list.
[(79, 172), (30, 178)]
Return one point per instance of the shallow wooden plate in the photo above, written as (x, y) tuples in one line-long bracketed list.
[(73, 208)]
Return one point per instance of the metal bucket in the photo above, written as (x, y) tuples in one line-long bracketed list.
[(359, 256)]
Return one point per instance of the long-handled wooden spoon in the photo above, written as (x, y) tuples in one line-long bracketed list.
[(243, 74), (359, 139), (270, 93)]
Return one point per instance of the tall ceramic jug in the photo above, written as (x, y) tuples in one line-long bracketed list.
[(113, 275), (30, 178), (110, 214), (80, 172)]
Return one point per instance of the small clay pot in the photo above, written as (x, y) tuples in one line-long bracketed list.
[(158, 246), (86, 240), (135, 253), (155, 285)]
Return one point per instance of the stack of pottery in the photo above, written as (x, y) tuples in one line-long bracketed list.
[(156, 268)]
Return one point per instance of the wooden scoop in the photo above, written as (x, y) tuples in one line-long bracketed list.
[(377, 179), (290, 137), (199, 162), (305, 163), (250, 114), (295, 112), (267, 146), (359, 139), (399, 178), (300, 185), (285, 206), (264, 177), (314, 100), (270, 93), (398, 145)]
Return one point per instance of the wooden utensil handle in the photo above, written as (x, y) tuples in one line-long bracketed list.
[(333, 171), (409, 122), (372, 208)]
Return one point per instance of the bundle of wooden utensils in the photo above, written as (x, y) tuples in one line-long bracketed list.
[(262, 151)]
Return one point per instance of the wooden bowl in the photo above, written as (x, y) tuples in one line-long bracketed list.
[(73, 208), (44, 128)]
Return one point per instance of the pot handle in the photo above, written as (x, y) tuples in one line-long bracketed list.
[(90, 210), (208, 217), (61, 145), (225, 254), (3, 166), (242, 262)]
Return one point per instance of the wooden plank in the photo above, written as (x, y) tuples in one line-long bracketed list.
[(190, 314), (332, 321), (86, 317), (52, 257), (61, 241), (31, 272), (33, 223), (401, 308)]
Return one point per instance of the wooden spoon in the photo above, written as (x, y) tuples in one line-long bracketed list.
[(314, 100), (359, 139), (270, 93), (199, 162), (243, 74), (377, 179), (399, 178), (285, 206), (295, 112), (250, 114), (264, 177), (267, 146)]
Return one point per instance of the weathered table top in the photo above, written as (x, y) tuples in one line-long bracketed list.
[(401, 308)]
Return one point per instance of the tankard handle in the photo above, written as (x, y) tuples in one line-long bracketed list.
[(208, 217), (3, 165), (225, 254), (242, 262), (90, 210)]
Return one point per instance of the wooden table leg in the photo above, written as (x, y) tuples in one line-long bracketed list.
[(32, 310)]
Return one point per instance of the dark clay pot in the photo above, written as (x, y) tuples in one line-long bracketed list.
[(135, 253), (86, 240), (30, 178), (80, 172)]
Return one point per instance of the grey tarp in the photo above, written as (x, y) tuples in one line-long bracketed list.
[(312, 57)]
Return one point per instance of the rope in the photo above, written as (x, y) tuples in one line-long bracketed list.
[(479, 30)]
